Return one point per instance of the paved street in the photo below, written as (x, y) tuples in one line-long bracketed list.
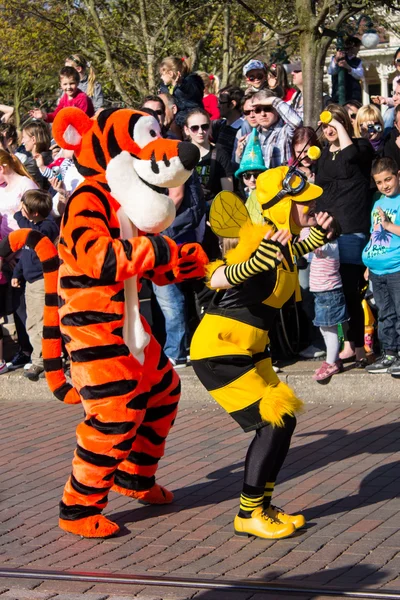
[(343, 472)]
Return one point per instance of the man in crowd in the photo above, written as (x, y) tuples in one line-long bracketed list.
[(348, 60), (225, 129)]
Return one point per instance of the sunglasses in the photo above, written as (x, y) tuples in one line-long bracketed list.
[(263, 108), (250, 174), (248, 112), (255, 77), (352, 115), (195, 128), (159, 112), (397, 60)]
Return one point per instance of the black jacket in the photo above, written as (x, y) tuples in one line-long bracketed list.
[(391, 149)]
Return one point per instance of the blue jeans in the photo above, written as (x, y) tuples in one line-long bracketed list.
[(386, 289), (171, 299), (351, 246)]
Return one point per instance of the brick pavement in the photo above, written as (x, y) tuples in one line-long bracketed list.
[(343, 472)]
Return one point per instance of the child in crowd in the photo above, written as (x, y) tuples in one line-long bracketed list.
[(210, 100), (330, 305), (381, 256), (88, 82), (187, 88), (34, 214), (62, 161), (72, 96)]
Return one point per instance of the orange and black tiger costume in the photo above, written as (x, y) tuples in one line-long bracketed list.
[(128, 387)]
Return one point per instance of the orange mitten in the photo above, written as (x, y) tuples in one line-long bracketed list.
[(192, 261)]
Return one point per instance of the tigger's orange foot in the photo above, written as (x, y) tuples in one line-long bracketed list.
[(96, 526), (155, 495)]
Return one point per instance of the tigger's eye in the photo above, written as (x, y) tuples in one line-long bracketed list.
[(146, 130)]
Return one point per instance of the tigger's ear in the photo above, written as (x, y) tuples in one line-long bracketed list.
[(69, 127)]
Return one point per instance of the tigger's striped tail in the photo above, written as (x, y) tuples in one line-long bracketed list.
[(51, 343)]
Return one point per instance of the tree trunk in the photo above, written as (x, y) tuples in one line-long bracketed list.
[(225, 48), (313, 48)]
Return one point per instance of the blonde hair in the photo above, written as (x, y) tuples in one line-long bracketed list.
[(13, 163), (228, 244), (211, 82), (80, 61), (41, 132), (369, 112), (178, 65)]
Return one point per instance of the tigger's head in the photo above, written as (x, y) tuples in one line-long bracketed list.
[(124, 152)]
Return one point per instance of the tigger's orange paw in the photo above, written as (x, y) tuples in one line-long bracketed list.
[(155, 495), (96, 526)]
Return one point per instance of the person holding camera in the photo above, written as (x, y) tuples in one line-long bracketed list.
[(369, 125), (348, 60)]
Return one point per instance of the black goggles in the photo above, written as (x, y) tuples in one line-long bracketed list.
[(287, 188)]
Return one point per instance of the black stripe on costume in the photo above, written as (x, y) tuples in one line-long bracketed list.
[(132, 122), (162, 253), (118, 331), (159, 412), (262, 355), (176, 391), (249, 418), (86, 490), (108, 390), (62, 391), (52, 364), (142, 459), (51, 299), (162, 363), (110, 428), (77, 511), (99, 460), (112, 144), (125, 445), (93, 214), (90, 189), (89, 317), (85, 171), (109, 268), (51, 333), (75, 235), (99, 353), (260, 316), (98, 152), (89, 244), (73, 282), (215, 373), (137, 483), (119, 296), (127, 246), (104, 116), (115, 232), (33, 238), (51, 264), (163, 384), (150, 435), (139, 402)]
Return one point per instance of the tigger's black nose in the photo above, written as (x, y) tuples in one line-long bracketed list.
[(189, 155)]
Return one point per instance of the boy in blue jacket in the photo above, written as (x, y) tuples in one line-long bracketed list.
[(34, 213)]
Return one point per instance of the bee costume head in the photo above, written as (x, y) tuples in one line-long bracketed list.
[(277, 189)]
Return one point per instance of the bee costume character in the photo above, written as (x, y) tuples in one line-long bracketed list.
[(230, 348)]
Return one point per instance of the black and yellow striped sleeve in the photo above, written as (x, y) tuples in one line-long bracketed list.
[(265, 258), (316, 238)]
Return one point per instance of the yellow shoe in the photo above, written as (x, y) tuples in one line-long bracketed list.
[(263, 526), (277, 513)]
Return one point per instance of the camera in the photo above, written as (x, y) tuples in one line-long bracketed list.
[(376, 128)]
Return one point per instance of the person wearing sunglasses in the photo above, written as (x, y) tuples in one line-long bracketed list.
[(156, 104), (251, 165), (352, 107), (255, 74), (276, 123), (278, 82), (214, 168), (388, 101), (248, 124), (369, 125)]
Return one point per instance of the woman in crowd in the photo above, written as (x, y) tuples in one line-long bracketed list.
[(352, 108), (14, 182), (278, 82), (88, 82), (36, 140), (369, 125), (343, 172), (210, 99)]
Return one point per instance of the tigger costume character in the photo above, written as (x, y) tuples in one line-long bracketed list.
[(230, 348), (127, 386)]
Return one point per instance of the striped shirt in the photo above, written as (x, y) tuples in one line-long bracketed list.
[(324, 268)]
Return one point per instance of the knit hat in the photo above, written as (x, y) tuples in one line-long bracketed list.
[(252, 65), (252, 159)]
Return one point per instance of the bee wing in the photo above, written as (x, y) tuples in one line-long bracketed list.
[(228, 214)]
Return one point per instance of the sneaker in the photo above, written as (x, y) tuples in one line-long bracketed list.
[(33, 373), (382, 364), (19, 360), (181, 364), (3, 367), (326, 370), (312, 352), (395, 368)]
